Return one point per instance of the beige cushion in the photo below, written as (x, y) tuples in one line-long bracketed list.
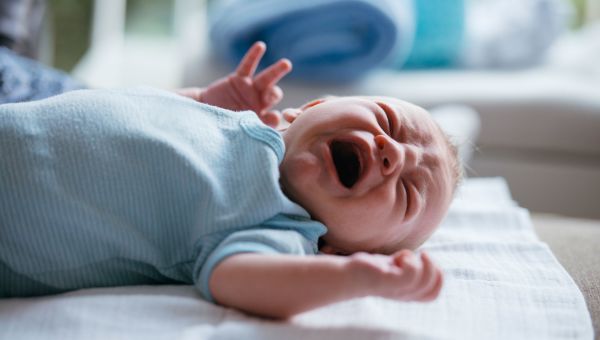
[(576, 244)]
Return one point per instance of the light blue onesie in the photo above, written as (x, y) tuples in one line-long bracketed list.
[(140, 186)]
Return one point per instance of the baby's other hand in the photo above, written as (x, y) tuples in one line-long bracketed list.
[(241, 90), (402, 276)]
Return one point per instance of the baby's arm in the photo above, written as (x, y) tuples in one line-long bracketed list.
[(284, 285), (241, 90)]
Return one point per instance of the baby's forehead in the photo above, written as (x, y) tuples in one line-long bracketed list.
[(420, 124)]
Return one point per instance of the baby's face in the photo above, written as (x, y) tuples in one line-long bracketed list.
[(376, 171)]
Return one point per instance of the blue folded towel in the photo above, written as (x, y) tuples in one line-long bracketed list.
[(326, 40)]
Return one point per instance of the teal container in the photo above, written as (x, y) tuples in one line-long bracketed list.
[(439, 36)]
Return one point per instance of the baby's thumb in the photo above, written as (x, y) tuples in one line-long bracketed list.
[(271, 118)]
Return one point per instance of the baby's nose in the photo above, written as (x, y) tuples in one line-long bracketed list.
[(394, 156), (390, 155)]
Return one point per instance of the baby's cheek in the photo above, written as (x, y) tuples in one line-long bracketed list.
[(421, 235), (297, 172)]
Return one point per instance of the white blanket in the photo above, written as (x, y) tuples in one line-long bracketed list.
[(501, 283)]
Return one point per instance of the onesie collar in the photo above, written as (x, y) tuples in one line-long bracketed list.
[(256, 129)]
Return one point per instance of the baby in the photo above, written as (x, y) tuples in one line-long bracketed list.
[(106, 188)]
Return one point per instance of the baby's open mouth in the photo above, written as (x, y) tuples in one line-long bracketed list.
[(347, 161)]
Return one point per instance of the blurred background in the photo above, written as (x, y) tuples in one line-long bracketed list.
[(169, 29), (530, 69)]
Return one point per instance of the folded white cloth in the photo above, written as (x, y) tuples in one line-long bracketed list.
[(501, 283)]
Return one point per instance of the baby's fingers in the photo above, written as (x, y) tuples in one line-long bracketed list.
[(431, 280), (291, 114), (435, 291), (411, 270), (272, 74), (251, 59), (271, 118)]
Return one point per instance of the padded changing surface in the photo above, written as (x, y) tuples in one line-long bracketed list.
[(501, 283)]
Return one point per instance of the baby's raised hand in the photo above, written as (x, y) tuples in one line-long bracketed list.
[(241, 90), (401, 276)]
